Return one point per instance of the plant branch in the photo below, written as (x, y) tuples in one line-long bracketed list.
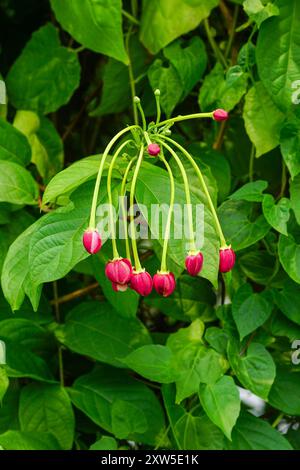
[(73, 295)]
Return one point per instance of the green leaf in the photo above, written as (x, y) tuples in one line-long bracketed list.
[(189, 59), (153, 362), (283, 298), (290, 144), (284, 394), (249, 310), (9, 409), (105, 443), (191, 431), (258, 12), (162, 22), (28, 334), (295, 197), (13, 145), (255, 369), (153, 187), (45, 75), (279, 68), (18, 440), (217, 338), (193, 362), (95, 329), (281, 326), (251, 192), (289, 255), (127, 419), (251, 433), (221, 402), (17, 186), (193, 298), (167, 80), (93, 24), (240, 226), (263, 120), (259, 266), (95, 393), (4, 382), (46, 408), (277, 215)]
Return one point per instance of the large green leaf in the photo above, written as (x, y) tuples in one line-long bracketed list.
[(258, 265), (250, 310), (17, 186), (46, 408), (240, 227), (153, 187), (152, 361), (4, 382), (191, 430), (45, 75), (13, 145), (95, 24), (290, 145), (283, 297), (18, 440), (167, 80), (221, 403), (295, 197), (96, 393), (28, 334), (97, 330), (277, 215), (255, 368), (289, 255), (251, 433), (252, 192), (164, 21), (9, 409), (263, 120), (279, 67), (285, 391)]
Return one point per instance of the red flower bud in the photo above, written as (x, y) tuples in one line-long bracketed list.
[(119, 271), (227, 259), (164, 283), (119, 287), (194, 263), (220, 115), (141, 282), (153, 149), (91, 241)]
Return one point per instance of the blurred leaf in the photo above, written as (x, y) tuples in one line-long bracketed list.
[(18, 440), (13, 145), (46, 408), (289, 255), (283, 298), (221, 402), (289, 145), (4, 383), (45, 75), (258, 11), (259, 266), (172, 18), (251, 192), (105, 443), (17, 186), (285, 391), (96, 330), (295, 197)]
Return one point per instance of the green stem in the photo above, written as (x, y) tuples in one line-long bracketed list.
[(277, 420), (134, 7), (92, 224), (214, 45), (138, 267), (158, 110), (130, 17), (187, 195), (131, 76), (123, 212), (232, 31), (109, 193), (283, 180), (138, 103), (184, 118), (204, 187), (163, 266), (251, 163)]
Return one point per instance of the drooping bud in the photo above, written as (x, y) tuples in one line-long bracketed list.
[(220, 115), (153, 149), (91, 241), (227, 259), (119, 287), (164, 283), (194, 263), (119, 271), (141, 282)]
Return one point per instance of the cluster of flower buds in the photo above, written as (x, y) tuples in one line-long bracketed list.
[(120, 271)]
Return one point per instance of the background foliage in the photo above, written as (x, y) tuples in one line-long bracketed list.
[(89, 368)]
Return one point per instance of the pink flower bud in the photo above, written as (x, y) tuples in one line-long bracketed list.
[(119, 287), (194, 263), (119, 271), (153, 149), (227, 259), (164, 283), (220, 115), (141, 282), (91, 241)]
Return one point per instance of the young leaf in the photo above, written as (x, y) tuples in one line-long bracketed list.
[(167, 80), (221, 402), (17, 186), (13, 145), (277, 215), (105, 443), (289, 255), (251, 192), (155, 362), (258, 12)]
